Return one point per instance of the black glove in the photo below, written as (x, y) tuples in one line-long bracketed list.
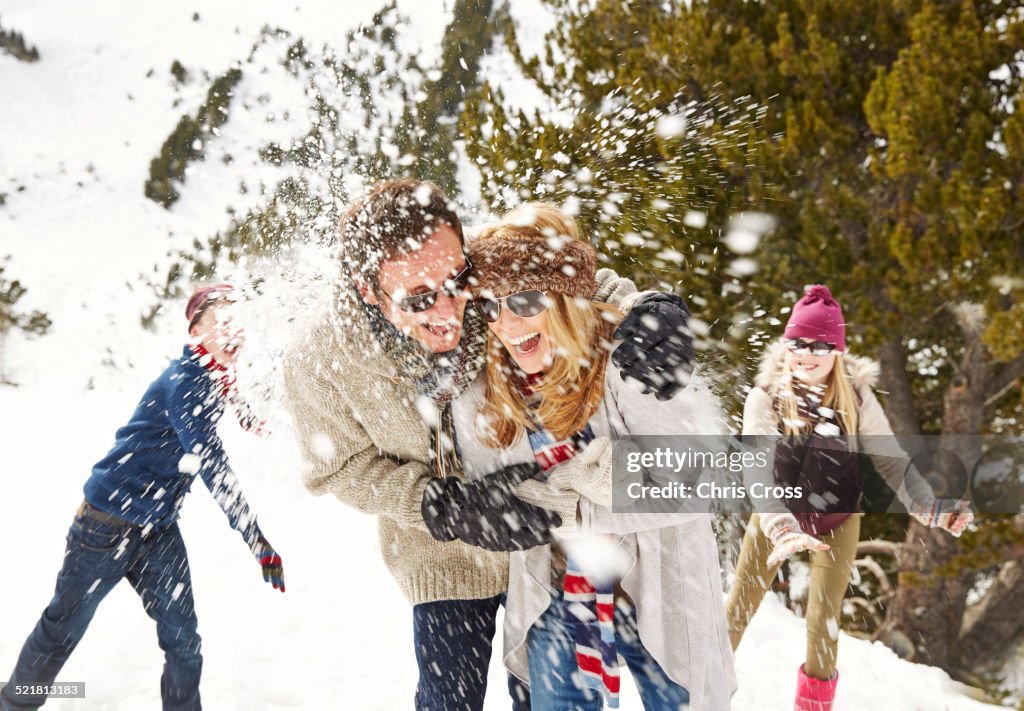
[(486, 512), (657, 345)]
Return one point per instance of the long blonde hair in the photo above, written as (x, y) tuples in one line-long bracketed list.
[(570, 391), (839, 396)]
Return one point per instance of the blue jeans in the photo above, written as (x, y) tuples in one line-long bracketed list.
[(556, 684), (99, 554), (453, 651)]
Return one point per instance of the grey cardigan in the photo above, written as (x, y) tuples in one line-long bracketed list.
[(674, 576)]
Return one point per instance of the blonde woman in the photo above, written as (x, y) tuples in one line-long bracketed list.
[(549, 398), (809, 386)]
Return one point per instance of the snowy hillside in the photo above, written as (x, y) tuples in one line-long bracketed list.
[(77, 132)]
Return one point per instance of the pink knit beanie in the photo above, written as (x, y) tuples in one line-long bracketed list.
[(819, 317)]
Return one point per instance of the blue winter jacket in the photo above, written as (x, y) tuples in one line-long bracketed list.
[(171, 438)]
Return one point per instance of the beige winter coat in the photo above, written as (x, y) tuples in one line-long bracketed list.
[(673, 577), (875, 436), (364, 439)]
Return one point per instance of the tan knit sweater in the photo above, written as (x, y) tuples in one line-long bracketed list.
[(364, 440)]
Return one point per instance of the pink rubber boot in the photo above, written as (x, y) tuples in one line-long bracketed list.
[(814, 694)]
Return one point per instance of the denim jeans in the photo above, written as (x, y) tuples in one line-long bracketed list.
[(453, 651), (555, 681), (99, 554)]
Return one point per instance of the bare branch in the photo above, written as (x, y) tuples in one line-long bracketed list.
[(871, 565), (878, 546), (992, 625), (1004, 379), (870, 610)]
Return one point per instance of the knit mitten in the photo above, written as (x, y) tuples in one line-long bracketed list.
[(951, 515), (589, 473), (563, 502), (270, 561), (783, 530)]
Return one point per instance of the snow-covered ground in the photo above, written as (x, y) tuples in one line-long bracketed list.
[(341, 636), (77, 132)]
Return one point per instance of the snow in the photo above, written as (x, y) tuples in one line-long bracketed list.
[(75, 148), (742, 241), (870, 674), (671, 126)]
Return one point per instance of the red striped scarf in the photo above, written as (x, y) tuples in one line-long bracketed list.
[(590, 604), (229, 391)]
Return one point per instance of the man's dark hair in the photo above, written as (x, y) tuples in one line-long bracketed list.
[(392, 218)]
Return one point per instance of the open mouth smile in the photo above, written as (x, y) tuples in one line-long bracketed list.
[(525, 345), (442, 329)]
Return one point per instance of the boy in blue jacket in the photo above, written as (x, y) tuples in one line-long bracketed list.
[(127, 526)]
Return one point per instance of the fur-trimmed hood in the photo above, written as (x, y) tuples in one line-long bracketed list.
[(863, 371)]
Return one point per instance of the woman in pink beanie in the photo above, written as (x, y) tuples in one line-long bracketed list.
[(809, 388)]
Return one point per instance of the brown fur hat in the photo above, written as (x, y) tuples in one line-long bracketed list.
[(508, 258)]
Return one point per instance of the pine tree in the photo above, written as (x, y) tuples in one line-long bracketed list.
[(376, 114), (466, 40), (15, 45), (885, 137), (187, 142), (35, 322)]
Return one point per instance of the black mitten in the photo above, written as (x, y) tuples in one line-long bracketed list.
[(657, 345)]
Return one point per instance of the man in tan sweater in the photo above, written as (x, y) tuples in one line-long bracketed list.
[(369, 385)]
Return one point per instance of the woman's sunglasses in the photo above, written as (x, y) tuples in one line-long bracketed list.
[(523, 303), (813, 347), (453, 287)]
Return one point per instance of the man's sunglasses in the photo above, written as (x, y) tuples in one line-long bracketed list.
[(523, 303), (813, 347), (452, 287)]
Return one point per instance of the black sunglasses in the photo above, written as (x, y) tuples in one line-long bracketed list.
[(453, 287), (812, 347), (523, 303)]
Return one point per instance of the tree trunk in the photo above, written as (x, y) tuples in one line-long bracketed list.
[(995, 624), (928, 608), (899, 401)]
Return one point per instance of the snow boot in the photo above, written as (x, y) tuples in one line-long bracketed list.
[(814, 694)]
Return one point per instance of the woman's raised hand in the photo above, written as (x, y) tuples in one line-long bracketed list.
[(952, 515), (783, 530)]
